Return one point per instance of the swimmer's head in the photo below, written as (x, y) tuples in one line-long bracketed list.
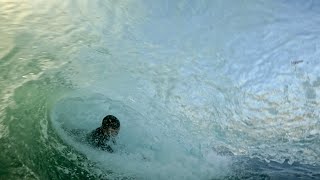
[(111, 125)]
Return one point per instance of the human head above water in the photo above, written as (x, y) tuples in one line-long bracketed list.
[(110, 121)]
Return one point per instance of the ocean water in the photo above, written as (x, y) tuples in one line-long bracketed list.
[(203, 89)]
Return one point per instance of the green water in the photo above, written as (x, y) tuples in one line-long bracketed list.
[(31, 149), (32, 45)]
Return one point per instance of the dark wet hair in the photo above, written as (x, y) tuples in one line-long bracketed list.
[(111, 121)]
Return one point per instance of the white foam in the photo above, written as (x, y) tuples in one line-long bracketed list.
[(146, 147)]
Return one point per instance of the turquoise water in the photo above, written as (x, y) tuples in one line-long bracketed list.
[(203, 89)]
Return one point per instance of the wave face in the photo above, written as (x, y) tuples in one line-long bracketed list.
[(203, 89)]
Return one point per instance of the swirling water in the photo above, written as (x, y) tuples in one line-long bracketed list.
[(203, 89)]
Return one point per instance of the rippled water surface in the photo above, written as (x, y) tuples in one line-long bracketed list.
[(203, 89)]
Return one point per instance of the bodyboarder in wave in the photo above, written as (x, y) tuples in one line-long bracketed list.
[(104, 136)]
